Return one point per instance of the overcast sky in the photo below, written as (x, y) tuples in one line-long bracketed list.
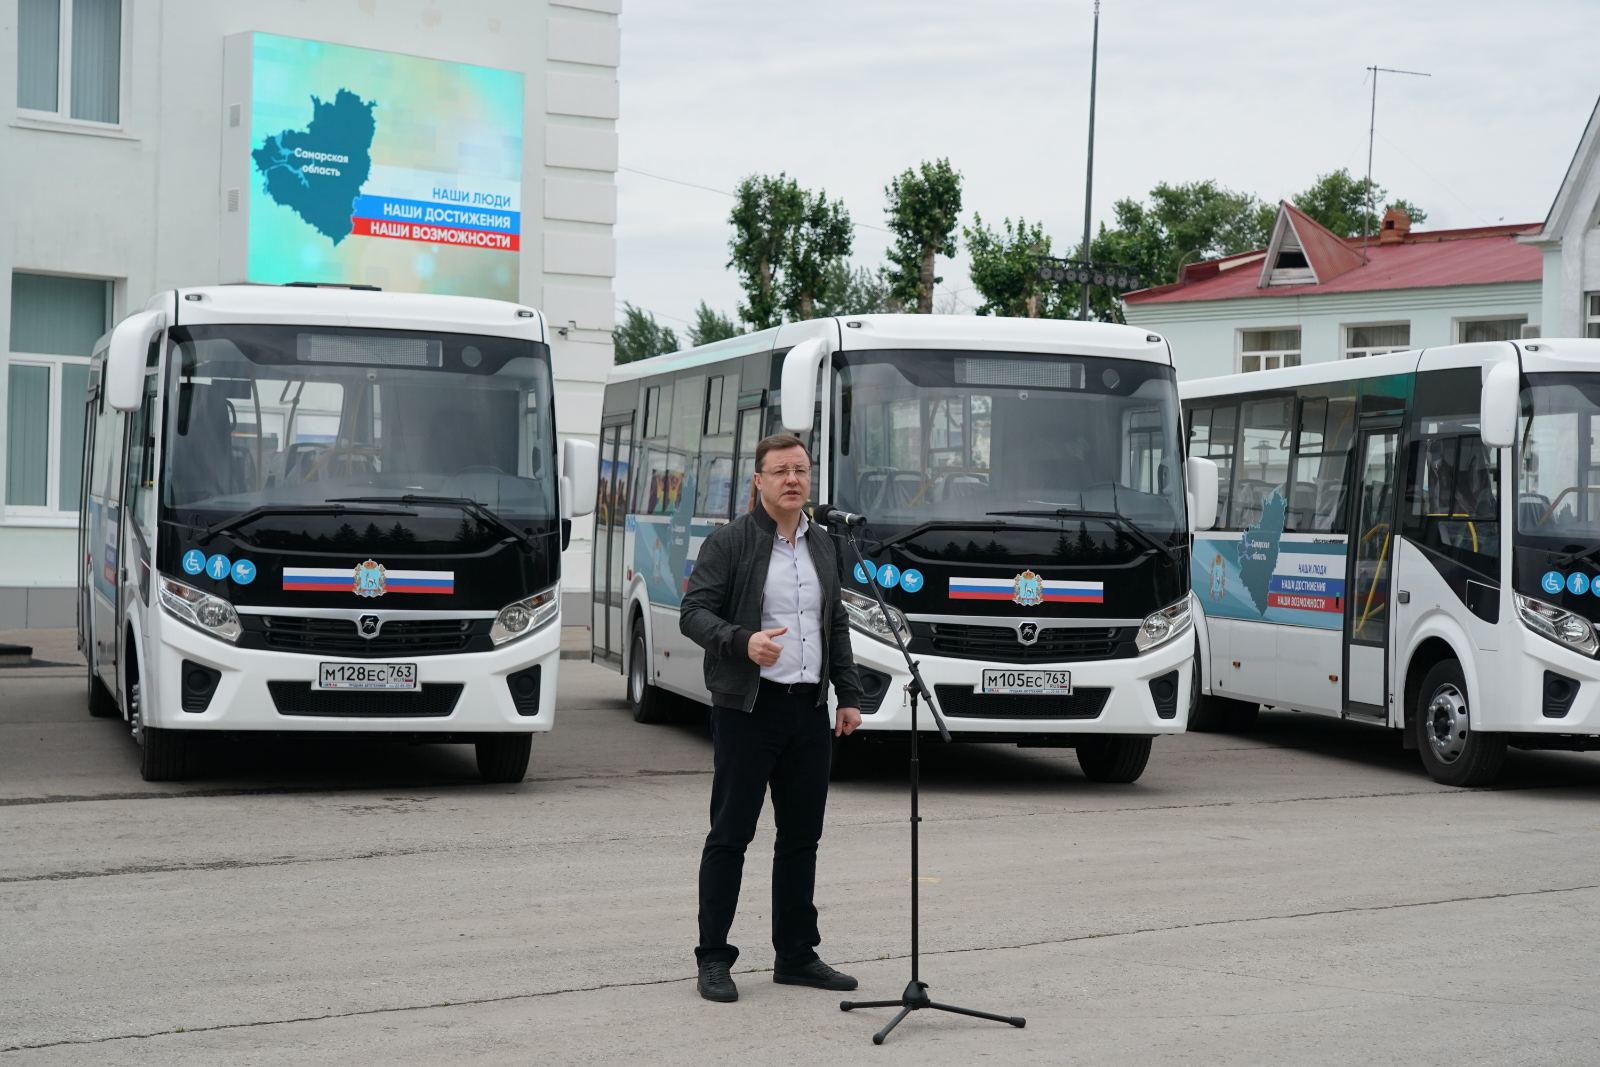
[(1260, 95)]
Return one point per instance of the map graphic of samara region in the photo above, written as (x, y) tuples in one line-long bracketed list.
[(318, 172)]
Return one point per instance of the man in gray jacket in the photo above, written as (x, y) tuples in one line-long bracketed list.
[(764, 602)]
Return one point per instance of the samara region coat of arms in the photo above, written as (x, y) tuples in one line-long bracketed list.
[(369, 579), (1027, 589)]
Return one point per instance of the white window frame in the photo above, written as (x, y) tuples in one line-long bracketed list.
[(1271, 359), (52, 512), (1375, 350), (61, 118), (1521, 318), (1591, 314)]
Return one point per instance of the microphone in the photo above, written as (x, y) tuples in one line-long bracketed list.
[(829, 515)]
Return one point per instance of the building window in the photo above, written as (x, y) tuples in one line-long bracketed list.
[(1591, 320), (1269, 349), (54, 324), (1376, 340), (69, 59), (1507, 329)]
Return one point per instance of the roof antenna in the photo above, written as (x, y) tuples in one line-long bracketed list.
[(1372, 125)]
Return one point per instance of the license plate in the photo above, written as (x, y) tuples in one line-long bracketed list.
[(1027, 683), (393, 676)]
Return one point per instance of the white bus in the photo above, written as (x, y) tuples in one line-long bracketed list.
[(1410, 540), (325, 510), (1028, 528)]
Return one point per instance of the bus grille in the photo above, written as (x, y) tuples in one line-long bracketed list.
[(434, 701), (962, 702), (1056, 644), (339, 637)]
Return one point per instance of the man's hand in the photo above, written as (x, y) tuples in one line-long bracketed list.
[(763, 650), (849, 719)]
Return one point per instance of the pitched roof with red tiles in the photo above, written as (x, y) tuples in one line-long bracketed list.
[(1482, 255)]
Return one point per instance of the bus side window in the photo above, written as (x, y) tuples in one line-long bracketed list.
[(1322, 453), (749, 437), (1262, 469), (1211, 435)]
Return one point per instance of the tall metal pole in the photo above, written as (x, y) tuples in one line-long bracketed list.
[(1088, 185)]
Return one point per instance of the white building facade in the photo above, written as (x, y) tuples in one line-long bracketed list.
[(121, 175), (1570, 243)]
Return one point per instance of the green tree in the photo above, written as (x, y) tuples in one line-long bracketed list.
[(640, 337), (1338, 200), (860, 291), (710, 326), (923, 207), (822, 239), (1180, 224), (1005, 266), (784, 240)]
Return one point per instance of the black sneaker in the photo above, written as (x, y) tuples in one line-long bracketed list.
[(715, 983), (815, 974)]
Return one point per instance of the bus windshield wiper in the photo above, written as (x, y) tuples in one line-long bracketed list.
[(1114, 518), (935, 524), (476, 508), (245, 518)]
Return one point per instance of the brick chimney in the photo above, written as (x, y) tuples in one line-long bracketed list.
[(1395, 228)]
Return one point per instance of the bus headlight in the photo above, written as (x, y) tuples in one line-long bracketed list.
[(523, 617), (1162, 626), (207, 613), (864, 615), (1558, 624)]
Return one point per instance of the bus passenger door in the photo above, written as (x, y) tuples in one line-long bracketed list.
[(1369, 572), (616, 447)]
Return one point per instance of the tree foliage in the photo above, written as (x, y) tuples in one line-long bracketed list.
[(1180, 224), (858, 291), (784, 240), (639, 336), (1005, 266), (923, 207), (1338, 200), (710, 326)]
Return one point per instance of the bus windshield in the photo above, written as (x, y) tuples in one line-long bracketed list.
[(279, 417), (951, 437), (1558, 484)]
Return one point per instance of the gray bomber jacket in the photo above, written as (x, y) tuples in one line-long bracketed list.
[(722, 610)]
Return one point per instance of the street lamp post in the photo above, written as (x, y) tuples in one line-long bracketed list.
[(1088, 185)]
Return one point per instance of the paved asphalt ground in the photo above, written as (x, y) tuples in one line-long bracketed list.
[(1302, 895)]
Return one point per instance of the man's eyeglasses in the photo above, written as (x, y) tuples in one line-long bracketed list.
[(784, 472)]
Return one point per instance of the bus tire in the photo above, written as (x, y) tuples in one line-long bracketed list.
[(1452, 752), (648, 703), (164, 755), (503, 758), (101, 703), (1119, 758)]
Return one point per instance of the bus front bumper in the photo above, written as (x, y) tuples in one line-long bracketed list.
[(467, 693), (1114, 696)]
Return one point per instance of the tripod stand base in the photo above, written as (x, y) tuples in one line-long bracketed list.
[(915, 998)]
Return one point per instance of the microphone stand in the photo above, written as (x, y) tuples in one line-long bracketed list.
[(915, 997)]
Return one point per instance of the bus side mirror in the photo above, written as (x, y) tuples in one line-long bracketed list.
[(1502, 398), (580, 477), (1200, 475), (125, 358), (799, 383)]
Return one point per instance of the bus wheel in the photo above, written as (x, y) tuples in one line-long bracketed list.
[(1452, 752), (504, 757), (101, 704), (648, 704), (1113, 759), (163, 754)]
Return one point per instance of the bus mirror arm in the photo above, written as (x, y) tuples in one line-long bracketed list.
[(1200, 476), (799, 383), (125, 358), (1502, 396)]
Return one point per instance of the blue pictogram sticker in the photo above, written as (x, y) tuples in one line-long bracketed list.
[(1553, 582), (1578, 582), (218, 566), (194, 561), (244, 572), (911, 580), (865, 576), (888, 575)]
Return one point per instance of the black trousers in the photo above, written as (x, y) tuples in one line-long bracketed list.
[(784, 743)]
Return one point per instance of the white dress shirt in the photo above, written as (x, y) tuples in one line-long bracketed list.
[(793, 598)]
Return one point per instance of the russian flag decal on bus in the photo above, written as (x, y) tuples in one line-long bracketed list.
[(1027, 589), (368, 579)]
